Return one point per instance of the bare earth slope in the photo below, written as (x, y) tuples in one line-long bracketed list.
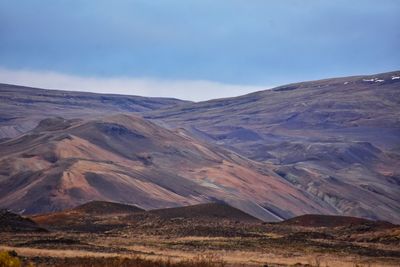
[(336, 139), (123, 158), (21, 108), (321, 147)]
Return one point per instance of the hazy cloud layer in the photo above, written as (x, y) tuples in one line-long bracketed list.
[(195, 90), (229, 41)]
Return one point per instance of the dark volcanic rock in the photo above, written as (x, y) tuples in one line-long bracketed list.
[(11, 222), (104, 207), (314, 220), (207, 212)]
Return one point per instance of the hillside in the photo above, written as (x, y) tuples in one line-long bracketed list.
[(336, 139), (208, 212), (93, 216), (320, 147), (104, 207), (11, 222), (100, 216), (21, 108), (122, 158)]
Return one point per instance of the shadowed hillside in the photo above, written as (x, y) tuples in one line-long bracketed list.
[(21, 108), (100, 216), (209, 211), (63, 163), (11, 222), (319, 147), (316, 220), (103, 207), (336, 139)]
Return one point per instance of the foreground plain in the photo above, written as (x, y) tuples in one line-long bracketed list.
[(213, 234)]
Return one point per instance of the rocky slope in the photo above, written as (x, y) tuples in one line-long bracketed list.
[(336, 139), (123, 158), (21, 108), (321, 147)]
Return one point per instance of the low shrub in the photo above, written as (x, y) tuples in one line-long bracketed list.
[(207, 260), (9, 259)]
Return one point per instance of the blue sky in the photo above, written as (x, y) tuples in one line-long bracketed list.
[(197, 49)]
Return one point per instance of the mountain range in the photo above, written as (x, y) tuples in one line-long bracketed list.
[(322, 147)]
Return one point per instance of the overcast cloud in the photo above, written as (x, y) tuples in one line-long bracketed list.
[(135, 46), (195, 90)]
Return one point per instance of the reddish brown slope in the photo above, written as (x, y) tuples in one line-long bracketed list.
[(86, 217), (64, 163), (206, 219)]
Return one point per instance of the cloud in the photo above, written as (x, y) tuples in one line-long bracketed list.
[(195, 90)]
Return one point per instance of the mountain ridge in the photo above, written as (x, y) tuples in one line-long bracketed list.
[(322, 136), (22, 107), (124, 158), (311, 147)]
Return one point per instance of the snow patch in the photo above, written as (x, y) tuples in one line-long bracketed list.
[(373, 80), (395, 77), (368, 80)]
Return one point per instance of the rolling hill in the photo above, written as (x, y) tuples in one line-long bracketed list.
[(22, 108), (104, 207), (208, 211), (336, 139), (122, 158), (111, 216), (319, 147)]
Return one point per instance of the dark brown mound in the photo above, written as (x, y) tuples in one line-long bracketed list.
[(104, 208), (11, 222), (99, 216), (315, 220), (208, 212), (53, 124), (90, 217)]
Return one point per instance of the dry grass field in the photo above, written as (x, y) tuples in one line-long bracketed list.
[(191, 237)]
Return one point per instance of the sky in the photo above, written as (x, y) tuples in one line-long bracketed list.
[(195, 50)]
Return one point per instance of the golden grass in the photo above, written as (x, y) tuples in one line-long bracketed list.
[(215, 258), (8, 259)]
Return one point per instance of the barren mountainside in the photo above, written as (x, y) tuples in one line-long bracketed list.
[(336, 139), (22, 108), (320, 147), (123, 158)]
